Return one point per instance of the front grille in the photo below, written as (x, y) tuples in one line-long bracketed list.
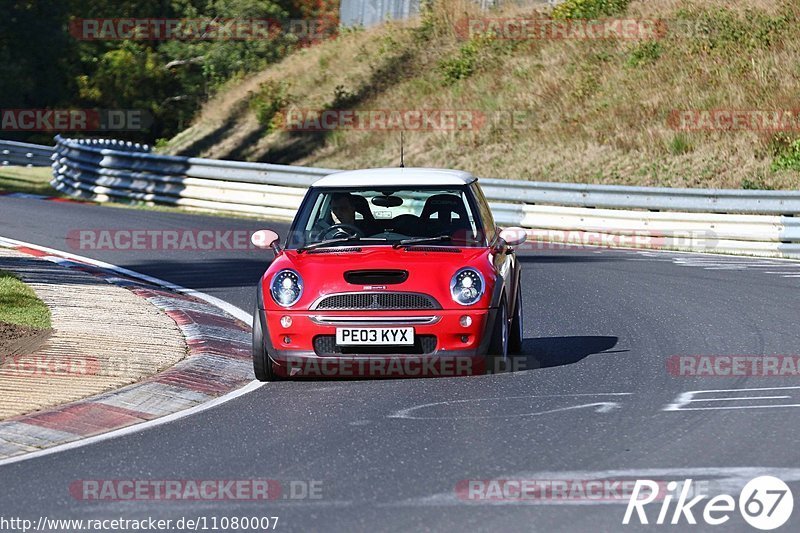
[(326, 345), (377, 301)]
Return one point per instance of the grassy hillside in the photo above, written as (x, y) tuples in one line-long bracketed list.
[(597, 111)]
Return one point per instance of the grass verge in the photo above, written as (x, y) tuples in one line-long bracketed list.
[(32, 180), (20, 305)]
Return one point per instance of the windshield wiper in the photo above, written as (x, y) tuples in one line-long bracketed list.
[(338, 240), (407, 242)]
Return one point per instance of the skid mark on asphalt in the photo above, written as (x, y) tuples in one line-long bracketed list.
[(412, 413)]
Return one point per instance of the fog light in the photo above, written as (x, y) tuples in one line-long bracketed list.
[(286, 321), (287, 340), (465, 339), (465, 321)]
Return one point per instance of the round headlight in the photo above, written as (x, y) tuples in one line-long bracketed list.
[(467, 286), (286, 288)]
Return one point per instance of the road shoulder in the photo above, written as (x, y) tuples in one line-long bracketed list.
[(195, 352)]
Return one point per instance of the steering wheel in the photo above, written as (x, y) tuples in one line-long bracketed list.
[(341, 230)]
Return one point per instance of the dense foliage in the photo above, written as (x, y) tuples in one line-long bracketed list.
[(46, 66)]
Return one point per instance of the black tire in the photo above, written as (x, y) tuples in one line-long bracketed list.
[(515, 335), (262, 364), (497, 356)]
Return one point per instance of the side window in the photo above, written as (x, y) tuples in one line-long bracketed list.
[(485, 212)]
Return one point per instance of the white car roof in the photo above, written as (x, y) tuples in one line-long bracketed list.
[(377, 177)]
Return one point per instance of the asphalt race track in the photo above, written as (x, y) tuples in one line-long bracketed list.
[(596, 398)]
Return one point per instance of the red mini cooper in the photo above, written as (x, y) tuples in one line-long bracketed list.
[(389, 272)]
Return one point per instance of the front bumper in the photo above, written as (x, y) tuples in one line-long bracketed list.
[(450, 349)]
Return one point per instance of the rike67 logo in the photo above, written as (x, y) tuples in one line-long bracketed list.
[(765, 503)]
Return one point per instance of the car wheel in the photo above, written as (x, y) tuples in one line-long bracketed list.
[(515, 337), (497, 358), (262, 365)]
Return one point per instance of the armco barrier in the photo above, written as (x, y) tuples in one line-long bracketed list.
[(24, 154), (726, 221)]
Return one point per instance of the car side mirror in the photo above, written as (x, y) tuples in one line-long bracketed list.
[(266, 238), (514, 236)]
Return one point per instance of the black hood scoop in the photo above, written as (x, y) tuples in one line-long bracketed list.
[(375, 277)]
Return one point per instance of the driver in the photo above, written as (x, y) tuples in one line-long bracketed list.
[(343, 207)]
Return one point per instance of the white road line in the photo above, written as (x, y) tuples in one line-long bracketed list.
[(689, 397), (721, 479), (775, 266), (758, 266), (213, 300), (143, 426), (734, 408), (741, 398), (676, 254)]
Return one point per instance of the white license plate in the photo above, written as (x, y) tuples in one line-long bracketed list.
[(375, 336)]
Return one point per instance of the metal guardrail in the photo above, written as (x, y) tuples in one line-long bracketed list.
[(106, 172), (727, 221), (649, 198), (24, 154)]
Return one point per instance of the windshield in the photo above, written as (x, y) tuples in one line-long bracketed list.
[(389, 216)]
